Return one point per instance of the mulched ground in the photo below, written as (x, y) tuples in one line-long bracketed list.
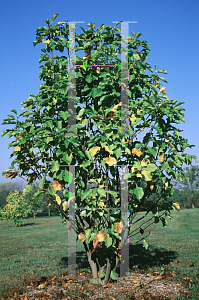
[(142, 285)]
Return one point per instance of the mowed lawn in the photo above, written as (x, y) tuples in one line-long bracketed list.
[(39, 248)]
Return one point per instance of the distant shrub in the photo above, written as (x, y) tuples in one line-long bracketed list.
[(16, 209)]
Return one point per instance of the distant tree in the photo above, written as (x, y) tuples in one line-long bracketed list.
[(6, 188), (189, 188), (38, 202)]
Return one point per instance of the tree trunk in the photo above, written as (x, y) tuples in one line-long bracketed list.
[(49, 211), (99, 264), (192, 205)]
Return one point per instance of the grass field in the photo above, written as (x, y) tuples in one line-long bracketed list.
[(39, 248)]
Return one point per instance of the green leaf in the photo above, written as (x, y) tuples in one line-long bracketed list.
[(22, 140), (165, 165), (118, 22), (5, 172), (11, 117), (118, 153), (84, 122), (89, 78), (138, 87), (149, 68), (49, 124), (50, 192), (101, 192), (88, 234), (27, 113), (37, 194), (54, 17), (102, 274), (145, 244), (5, 131), (85, 194), (152, 150), (138, 191), (113, 274), (49, 139), (136, 56), (111, 231), (162, 71), (147, 175), (97, 92), (83, 213), (55, 166), (182, 119), (42, 181), (93, 235), (14, 111), (88, 154), (66, 143), (86, 163), (92, 281), (108, 241), (74, 141), (161, 78), (138, 35), (174, 101), (29, 100), (150, 100), (151, 167), (63, 115), (114, 194), (63, 41), (179, 108), (131, 77), (8, 122), (82, 28)]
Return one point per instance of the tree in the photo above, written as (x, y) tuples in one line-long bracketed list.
[(16, 208), (6, 188), (63, 149), (189, 185), (18, 205), (37, 202)]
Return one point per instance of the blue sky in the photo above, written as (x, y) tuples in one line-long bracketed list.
[(170, 27)]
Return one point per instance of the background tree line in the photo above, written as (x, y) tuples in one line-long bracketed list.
[(185, 193)]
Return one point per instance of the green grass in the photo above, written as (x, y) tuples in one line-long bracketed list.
[(39, 248)]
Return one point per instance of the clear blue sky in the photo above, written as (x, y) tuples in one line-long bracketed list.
[(170, 27)]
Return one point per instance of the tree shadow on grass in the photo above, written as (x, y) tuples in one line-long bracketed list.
[(22, 225), (27, 224), (138, 256), (150, 258)]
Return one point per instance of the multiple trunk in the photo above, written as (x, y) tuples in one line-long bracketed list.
[(99, 264)]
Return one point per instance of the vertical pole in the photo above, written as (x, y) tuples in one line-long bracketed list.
[(72, 132)]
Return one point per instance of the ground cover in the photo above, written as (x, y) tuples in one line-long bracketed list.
[(33, 261)]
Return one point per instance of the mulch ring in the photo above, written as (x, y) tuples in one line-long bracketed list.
[(142, 285)]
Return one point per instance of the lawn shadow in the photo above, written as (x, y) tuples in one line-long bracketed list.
[(139, 257), (28, 224), (10, 224), (152, 257)]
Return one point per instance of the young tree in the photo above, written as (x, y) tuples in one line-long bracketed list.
[(6, 188), (16, 208), (37, 202), (19, 205), (150, 163)]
